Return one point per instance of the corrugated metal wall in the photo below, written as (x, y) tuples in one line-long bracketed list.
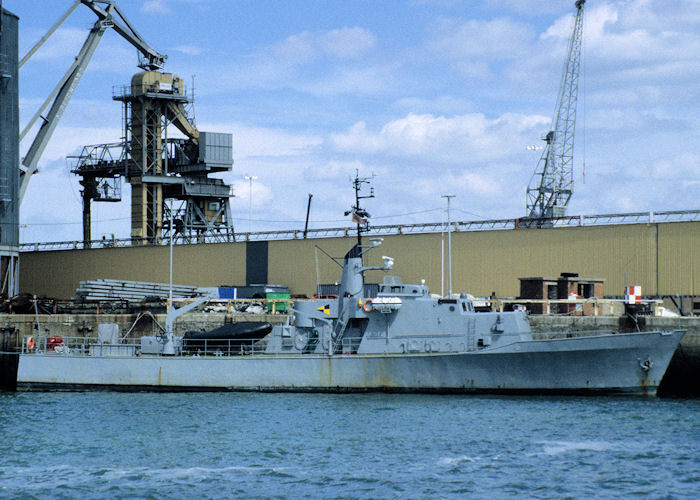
[(663, 258), (9, 131)]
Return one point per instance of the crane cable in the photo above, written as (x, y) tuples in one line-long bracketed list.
[(583, 106)]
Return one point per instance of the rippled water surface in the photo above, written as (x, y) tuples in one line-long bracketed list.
[(143, 445)]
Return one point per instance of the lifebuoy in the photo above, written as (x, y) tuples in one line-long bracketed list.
[(367, 306), (53, 342), (30, 343)]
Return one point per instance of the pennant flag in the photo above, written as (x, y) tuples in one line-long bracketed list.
[(326, 309), (357, 219)]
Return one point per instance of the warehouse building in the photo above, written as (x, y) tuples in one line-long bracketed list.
[(661, 257)]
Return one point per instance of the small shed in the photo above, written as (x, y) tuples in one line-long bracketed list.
[(562, 287)]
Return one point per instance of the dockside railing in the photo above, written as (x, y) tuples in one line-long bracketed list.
[(577, 307), (592, 306), (379, 230)]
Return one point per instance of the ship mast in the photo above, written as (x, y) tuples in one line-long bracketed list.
[(360, 216)]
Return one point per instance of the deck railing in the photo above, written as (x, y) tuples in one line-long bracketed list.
[(43, 345), (93, 346), (76, 346)]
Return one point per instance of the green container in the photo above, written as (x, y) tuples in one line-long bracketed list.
[(279, 306)]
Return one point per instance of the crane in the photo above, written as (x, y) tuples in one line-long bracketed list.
[(109, 16), (552, 183)]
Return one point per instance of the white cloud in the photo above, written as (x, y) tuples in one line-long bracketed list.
[(474, 70), (190, 50), (659, 15), (460, 182), (461, 139), (612, 37), (296, 49), (113, 56), (51, 207), (155, 7), (347, 43), (605, 38), (448, 108), (500, 38), (365, 80), (344, 43), (249, 141), (242, 189), (320, 63), (625, 43), (65, 43), (68, 140), (446, 104), (561, 27), (481, 184), (684, 166), (529, 8), (334, 169)]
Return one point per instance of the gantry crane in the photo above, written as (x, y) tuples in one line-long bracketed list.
[(109, 16), (552, 183), (157, 167), (172, 195)]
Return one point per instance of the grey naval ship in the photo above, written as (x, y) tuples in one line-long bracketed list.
[(402, 339)]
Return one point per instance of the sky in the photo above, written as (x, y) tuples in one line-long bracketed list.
[(427, 97)]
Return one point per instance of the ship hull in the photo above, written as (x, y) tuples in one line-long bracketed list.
[(606, 364)]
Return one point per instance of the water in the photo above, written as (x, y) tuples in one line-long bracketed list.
[(214, 445)]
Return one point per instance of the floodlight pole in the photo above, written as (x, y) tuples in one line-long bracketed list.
[(170, 288), (250, 178), (449, 245)]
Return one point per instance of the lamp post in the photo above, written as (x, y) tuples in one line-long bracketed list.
[(170, 244), (449, 245), (250, 178)]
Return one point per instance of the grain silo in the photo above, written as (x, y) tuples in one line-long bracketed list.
[(9, 153)]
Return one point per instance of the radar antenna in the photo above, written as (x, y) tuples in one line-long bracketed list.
[(360, 216), (552, 183)]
